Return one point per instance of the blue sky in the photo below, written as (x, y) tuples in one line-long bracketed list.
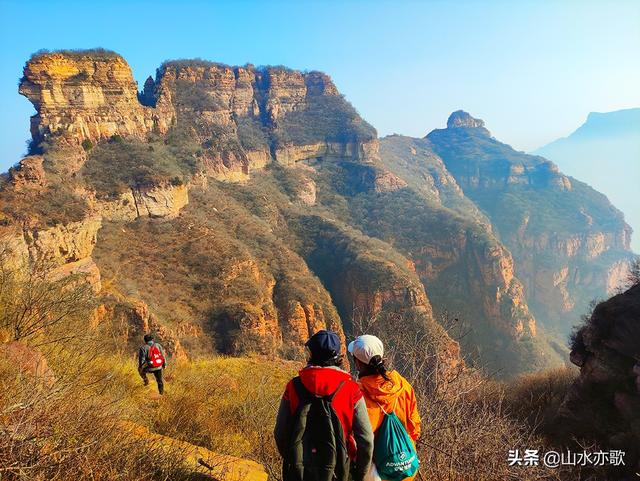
[(531, 70)]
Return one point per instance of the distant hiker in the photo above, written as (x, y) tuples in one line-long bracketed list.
[(152, 359), (322, 430), (391, 404)]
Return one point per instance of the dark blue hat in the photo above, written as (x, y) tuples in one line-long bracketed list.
[(324, 345)]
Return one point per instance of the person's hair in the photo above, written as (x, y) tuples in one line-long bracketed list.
[(148, 337), (376, 365), (335, 360)]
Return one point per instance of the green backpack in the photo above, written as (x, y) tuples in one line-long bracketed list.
[(394, 455)]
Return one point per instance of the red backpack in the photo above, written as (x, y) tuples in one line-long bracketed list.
[(154, 357)]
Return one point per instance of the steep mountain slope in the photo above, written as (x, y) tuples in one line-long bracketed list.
[(189, 207), (464, 267), (605, 153), (570, 245), (241, 209)]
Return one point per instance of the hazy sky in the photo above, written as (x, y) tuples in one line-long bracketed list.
[(531, 70)]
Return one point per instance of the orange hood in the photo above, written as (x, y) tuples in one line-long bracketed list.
[(394, 395), (382, 391)]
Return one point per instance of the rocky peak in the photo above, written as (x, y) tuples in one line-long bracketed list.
[(460, 118), (84, 95)]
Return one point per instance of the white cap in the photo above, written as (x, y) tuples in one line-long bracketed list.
[(365, 347)]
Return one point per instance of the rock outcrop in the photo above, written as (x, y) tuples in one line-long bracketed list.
[(199, 461), (603, 405), (85, 96), (460, 118), (62, 250)]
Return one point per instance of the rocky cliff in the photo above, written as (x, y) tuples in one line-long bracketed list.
[(570, 245), (241, 116), (123, 155), (245, 208), (115, 155), (85, 96), (602, 405), (464, 268)]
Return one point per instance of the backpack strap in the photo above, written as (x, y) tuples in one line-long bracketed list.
[(301, 391), (332, 395), (395, 404)]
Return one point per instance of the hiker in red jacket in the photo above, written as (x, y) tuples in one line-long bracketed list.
[(322, 429), (152, 359)]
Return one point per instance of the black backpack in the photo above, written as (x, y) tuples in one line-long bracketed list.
[(317, 449)]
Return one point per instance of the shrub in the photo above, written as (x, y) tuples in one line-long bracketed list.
[(466, 430), (252, 134), (118, 165), (60, 418), (52, 206), (326, 118), (87, 145)]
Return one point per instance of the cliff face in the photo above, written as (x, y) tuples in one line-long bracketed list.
[(246, 208), (118, 155), (449, 244), (249, 112), (570, 245), (242, 116), (85, 96), (604, 402)]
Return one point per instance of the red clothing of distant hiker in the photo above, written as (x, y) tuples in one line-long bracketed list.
[(323, 381)]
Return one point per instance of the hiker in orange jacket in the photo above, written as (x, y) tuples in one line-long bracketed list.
[(384, 390)]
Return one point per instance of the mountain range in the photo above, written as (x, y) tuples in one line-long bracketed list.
[(240, 209)]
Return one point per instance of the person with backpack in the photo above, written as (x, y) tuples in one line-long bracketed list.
[(152, 359), (322, 429), (393, 412)]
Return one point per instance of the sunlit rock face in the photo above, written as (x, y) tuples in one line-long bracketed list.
[(85, 97)]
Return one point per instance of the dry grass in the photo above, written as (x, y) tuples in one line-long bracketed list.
[(536, 398), (72, 429), (467, 427)]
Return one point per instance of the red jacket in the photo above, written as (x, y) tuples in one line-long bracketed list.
[(323, 381)]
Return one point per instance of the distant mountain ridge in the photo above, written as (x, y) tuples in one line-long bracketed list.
[(605, 153), (605, 124)]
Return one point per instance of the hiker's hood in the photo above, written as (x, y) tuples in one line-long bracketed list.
[(322, 380), (378, 389)]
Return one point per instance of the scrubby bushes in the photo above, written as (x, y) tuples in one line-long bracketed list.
[(119, 164), (48, 207), (326, 118), (94, 53), (193, 96), (467, 430), (60, 410), (252, 134)]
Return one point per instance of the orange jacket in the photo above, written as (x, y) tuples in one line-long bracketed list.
[(395, 395)]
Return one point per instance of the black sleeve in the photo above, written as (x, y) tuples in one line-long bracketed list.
[(282, 428), (142, 358)]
